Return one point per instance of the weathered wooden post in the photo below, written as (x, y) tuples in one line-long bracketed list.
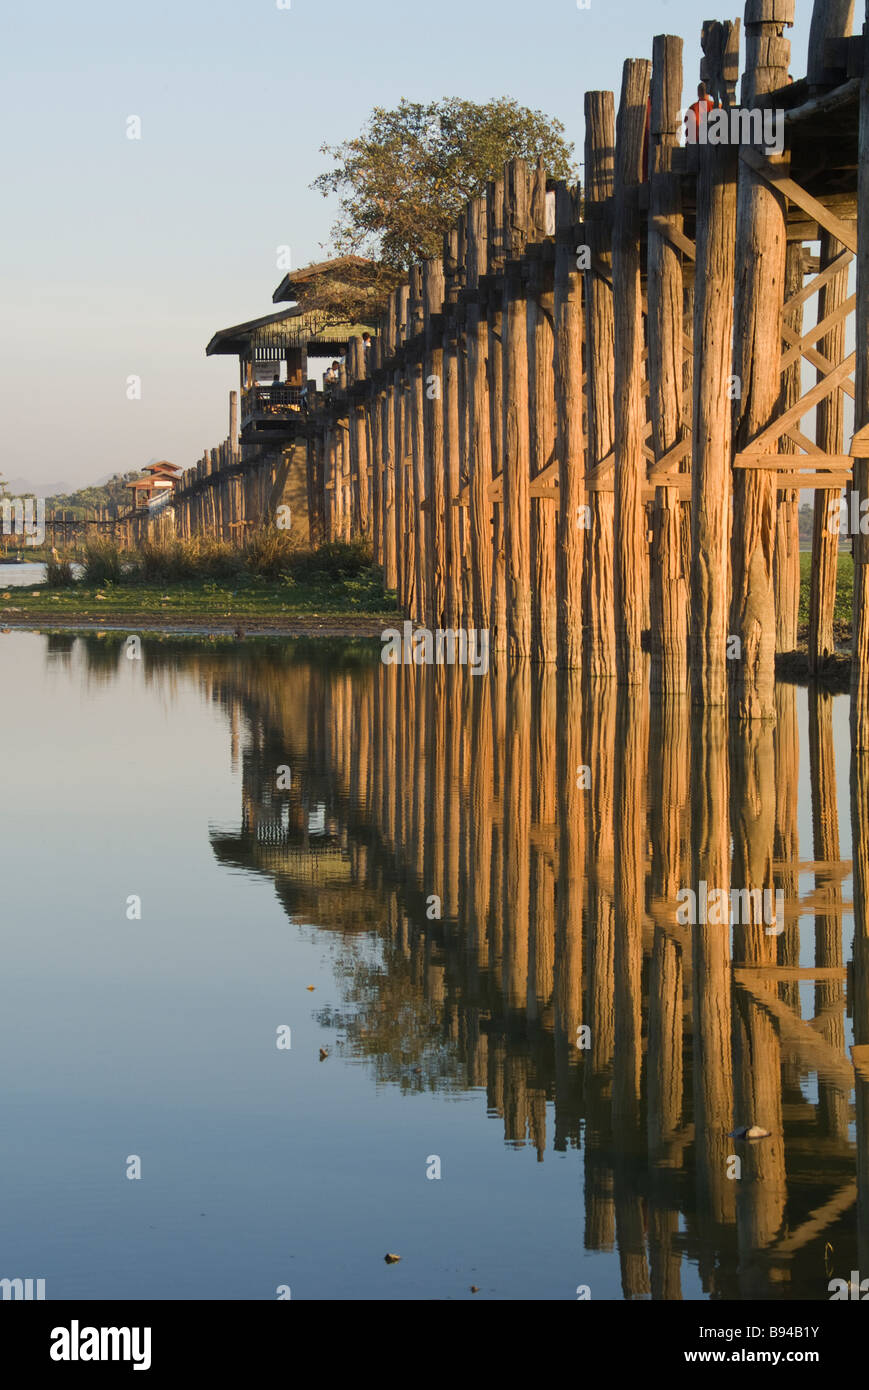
[(761, 235), (573, 510), (452, 521), (433, 420), (711, 430), (829, 426), (515, 477), (598, 604), (669, 600), (786, 559), (831, 19), (860, 447), (495, 246), (541, 406), (396, 413), (631, 529), (373, 448), (479, 436), (418, 531), (233, 424)]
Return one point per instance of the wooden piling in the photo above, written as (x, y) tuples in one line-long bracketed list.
[(598, 587), (573, 511), (669, 599), (711, 429), (762, 238), (860, 482), (631, 529)]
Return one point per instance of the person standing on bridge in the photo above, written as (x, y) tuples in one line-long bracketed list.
[(696, 115)]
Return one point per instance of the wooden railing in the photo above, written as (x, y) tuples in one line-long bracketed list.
[(271, 401)]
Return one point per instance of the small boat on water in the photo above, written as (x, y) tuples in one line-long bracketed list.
[(12, 560)]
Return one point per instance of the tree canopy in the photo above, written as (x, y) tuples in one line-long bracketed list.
[(404, 180)]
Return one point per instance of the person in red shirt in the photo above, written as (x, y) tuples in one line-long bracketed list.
[(695, 116)]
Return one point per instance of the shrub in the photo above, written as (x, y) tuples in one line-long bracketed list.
[(270, 553), (335, 559), (58, 571), (102, 562)]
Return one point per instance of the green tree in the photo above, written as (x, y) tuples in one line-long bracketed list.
[(404, 180)]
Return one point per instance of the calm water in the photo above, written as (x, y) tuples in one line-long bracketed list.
[(19, 576), (569, 1053)]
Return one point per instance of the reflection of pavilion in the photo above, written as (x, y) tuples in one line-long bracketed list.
[(559, 913)]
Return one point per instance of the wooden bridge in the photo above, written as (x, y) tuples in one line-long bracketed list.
[(588, 439)]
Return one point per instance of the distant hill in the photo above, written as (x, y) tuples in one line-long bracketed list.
[(22, 487)]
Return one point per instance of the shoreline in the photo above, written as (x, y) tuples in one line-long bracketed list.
[(789, 666), (239, 627)]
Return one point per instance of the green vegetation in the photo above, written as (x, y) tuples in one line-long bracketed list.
[(269, 584), (404, 180), (844, 591), (269, 555), (81, 504)]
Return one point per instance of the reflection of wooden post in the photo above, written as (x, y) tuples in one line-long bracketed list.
[(761, 235), (599, 741), (569, 809), (710, 953), (786, 848), (598, 603), (631, 538), (829, 993), (480, 750), (668, 783), (760, 1194), (517, 835), (544, 802), (859, 1000), (629, 812), (570, 444)]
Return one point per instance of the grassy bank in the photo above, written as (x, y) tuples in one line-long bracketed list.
[(201, 585), (844, 593)]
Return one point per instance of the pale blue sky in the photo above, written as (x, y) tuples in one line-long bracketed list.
[(123, 257)]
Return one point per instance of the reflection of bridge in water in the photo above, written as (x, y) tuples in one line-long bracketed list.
[(559, 910)]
